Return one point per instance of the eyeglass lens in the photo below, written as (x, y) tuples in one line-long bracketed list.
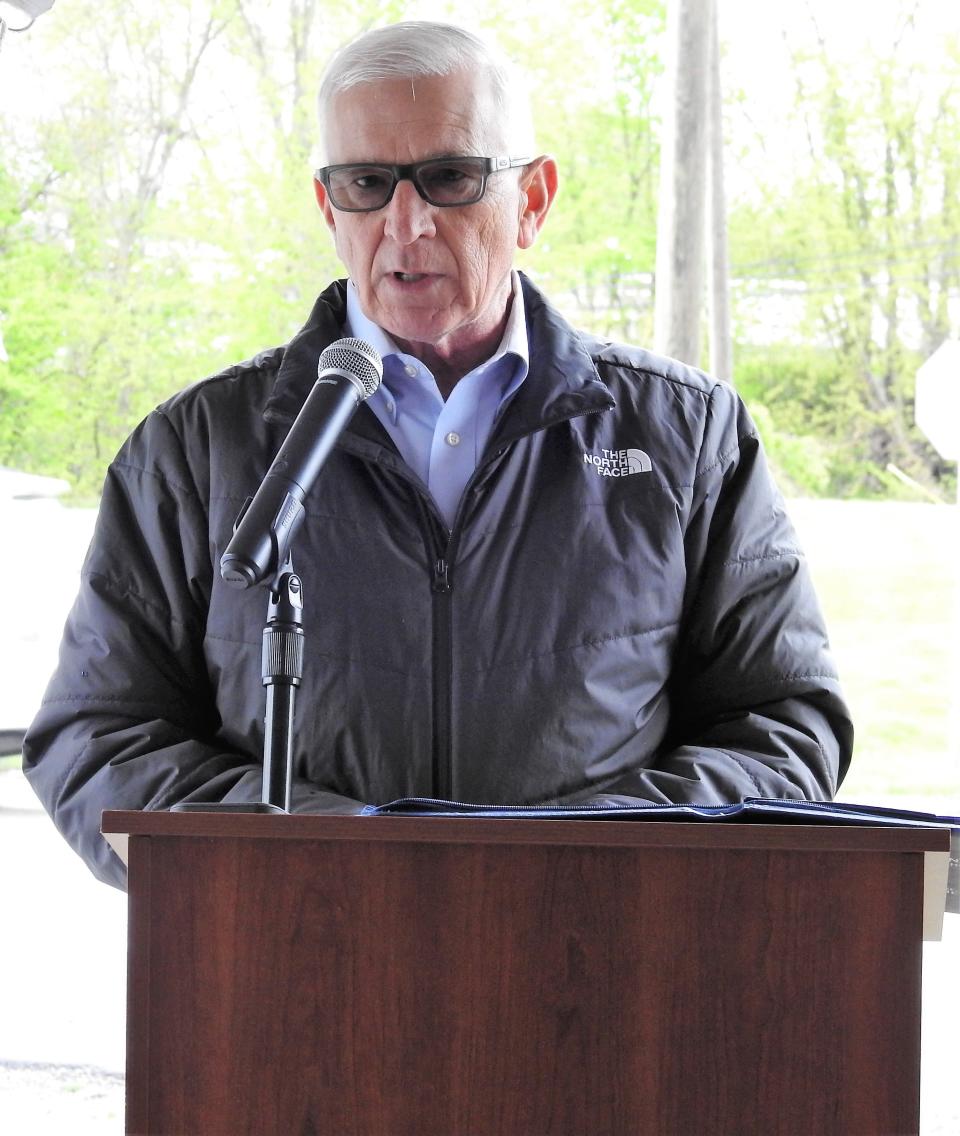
[(446, 181)]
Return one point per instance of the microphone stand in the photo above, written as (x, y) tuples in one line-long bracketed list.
[(348, 371), (281, 669)]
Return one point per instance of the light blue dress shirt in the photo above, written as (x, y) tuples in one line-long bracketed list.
[(443, 441)]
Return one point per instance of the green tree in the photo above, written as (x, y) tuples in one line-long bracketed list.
[(598, 250), (870, 230), (93, 303), (158, 222)]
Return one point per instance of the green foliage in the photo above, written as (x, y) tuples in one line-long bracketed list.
[(820, 437), (599, 248), (800, 462), (157, 221), (867, 238)]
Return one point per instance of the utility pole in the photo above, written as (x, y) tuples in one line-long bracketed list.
[(683, 170), (721, 339), (691, 163)]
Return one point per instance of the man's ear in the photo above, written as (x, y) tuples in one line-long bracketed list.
[(323, 200), (538, 188)]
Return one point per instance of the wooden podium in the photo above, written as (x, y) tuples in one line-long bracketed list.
[(398, 976)]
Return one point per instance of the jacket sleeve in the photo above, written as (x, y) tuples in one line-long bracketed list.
[(756, 708), (128, 720)]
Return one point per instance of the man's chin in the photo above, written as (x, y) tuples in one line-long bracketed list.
[(412, 328)]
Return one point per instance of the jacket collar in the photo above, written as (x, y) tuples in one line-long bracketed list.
[(562, 383), (298, 367)]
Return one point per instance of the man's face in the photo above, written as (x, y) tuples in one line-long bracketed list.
[(434, 277)]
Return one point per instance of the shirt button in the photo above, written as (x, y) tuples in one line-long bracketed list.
[(452, 439), (410, 370)]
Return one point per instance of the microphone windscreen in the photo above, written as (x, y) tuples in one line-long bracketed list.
[(357, 358)]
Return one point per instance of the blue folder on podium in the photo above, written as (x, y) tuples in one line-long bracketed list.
[(750, 810)]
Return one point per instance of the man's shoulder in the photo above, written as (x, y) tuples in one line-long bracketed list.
[(635, 365), (678, 401), (625, 368), (255, 380), (198, 429), (238, 381)]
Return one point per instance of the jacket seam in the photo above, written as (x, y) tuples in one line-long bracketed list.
[(312, 654), (722, 457), (620, 365), (120, 590), (191, 491), (131, 467), (770, 683), (519, 660), (263, 364), (746, 560), (113, 699), (748, 773), (804, 674)]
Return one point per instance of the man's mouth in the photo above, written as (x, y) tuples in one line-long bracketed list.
[(410, 277)]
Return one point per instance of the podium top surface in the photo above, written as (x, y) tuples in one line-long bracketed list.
[(510, 830)]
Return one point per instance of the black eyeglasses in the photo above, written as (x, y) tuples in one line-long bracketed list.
[(362, 187)]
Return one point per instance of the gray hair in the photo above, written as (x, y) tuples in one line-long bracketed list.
[(416, 49)]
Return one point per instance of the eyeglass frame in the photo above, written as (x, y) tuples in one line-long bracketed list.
[(409, 172)]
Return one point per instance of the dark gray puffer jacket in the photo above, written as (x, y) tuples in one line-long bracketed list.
[(620, 611)]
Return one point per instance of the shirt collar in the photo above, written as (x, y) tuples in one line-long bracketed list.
[(513, 343)]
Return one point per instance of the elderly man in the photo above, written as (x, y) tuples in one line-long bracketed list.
[(538, 566)]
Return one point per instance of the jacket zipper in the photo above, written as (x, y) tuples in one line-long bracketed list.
[(442, 555), (442, 678)]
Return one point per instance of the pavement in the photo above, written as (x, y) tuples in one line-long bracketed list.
[(63, 977), (62, 982)]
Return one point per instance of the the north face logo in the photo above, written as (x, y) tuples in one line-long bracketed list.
[(619, 463)]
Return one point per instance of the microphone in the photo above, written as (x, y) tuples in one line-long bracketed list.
[(348, 372)]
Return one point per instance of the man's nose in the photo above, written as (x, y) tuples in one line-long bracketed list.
[(408, 215)]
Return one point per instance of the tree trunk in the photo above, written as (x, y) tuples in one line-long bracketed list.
[(681, 226), (721, 344)]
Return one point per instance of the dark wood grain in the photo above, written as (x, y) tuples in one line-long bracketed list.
[(469, 830), (522, 986)]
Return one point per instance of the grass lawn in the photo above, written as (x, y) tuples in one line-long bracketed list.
[(887, 576)]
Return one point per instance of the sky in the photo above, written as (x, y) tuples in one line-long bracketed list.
[(757, 39), (754, 34), (752, 29)]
